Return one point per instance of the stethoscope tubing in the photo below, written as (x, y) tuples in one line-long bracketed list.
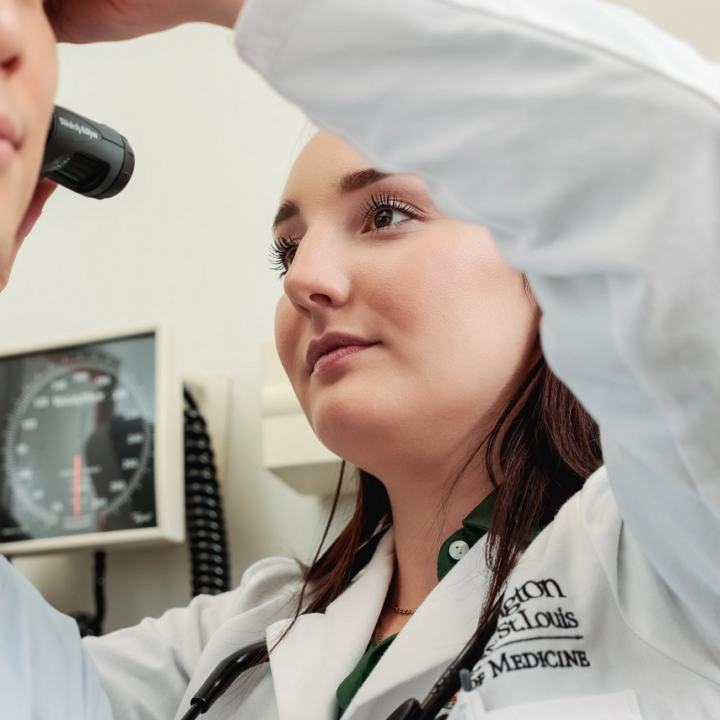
[(255, 654), (223, 676)]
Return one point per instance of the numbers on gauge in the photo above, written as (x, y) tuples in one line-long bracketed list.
[(65, 483)]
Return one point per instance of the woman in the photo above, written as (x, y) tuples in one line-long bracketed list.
[(408, 341), (44, 670), (586, 142)]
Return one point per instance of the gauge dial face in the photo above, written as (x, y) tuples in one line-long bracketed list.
[(79, 441)]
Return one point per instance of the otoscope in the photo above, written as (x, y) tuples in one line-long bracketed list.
[(86, 157)]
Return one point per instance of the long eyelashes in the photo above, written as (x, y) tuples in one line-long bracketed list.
[(282, 252), (386, 201)]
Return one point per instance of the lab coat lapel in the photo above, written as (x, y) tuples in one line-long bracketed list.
[(429, 642), (320, 650)]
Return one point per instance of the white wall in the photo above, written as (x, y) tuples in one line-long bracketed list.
[(187, 242)]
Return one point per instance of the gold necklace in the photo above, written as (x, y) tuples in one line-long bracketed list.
[(381, 624), (380, 630), (401, 611)]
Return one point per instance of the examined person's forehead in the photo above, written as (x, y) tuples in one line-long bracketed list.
[(351, 182)]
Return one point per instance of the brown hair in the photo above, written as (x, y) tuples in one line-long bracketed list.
[(544, 445)]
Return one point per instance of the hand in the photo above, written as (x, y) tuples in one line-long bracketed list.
[(84, 21), (45, 188)]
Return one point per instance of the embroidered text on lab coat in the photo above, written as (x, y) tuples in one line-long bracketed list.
[(535, 611)]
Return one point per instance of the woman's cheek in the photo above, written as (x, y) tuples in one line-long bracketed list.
[(288, 337)]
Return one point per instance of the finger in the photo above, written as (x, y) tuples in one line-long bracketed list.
[(84, 21), (45, 188)]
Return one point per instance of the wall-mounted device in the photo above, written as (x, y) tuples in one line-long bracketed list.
[(86, 157), (92, 441)]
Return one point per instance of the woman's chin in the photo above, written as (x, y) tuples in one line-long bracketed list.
[(353, 431)]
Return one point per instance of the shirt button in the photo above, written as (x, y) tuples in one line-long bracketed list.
[(458, 549)]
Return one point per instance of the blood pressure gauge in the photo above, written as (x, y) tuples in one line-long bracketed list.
[(91, 445)]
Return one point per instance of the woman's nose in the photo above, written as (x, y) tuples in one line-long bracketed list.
[(11, 37), (318, 278)]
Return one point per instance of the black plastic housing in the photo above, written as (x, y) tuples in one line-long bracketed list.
[(86, 157)]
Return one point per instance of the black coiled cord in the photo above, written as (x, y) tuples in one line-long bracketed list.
[(90, 624), (203, 508)]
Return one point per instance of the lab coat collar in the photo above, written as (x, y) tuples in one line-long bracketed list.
[(429, 642), (321, 649)]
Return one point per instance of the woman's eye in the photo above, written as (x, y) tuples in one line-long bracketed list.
[(385, 211), (282, 254), (385, 217)]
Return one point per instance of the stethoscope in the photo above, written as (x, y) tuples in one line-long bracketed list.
[(255, 654)]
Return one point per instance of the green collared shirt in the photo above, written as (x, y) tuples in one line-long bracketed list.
[(475, 525)]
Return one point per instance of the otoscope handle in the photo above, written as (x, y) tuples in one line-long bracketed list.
[(223, 676), (449, 682), (409, 710)]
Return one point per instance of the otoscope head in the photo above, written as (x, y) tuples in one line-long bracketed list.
[(86, 157)]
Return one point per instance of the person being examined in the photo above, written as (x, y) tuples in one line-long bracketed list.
[(44, 669)]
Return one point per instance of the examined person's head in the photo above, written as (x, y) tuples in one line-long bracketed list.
[(445, 328), (27, 91)]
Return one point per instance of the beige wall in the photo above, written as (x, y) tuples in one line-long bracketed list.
[(187, 242), (695, 21)]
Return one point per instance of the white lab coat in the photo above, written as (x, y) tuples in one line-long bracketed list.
[(45, 673), (589, 143)]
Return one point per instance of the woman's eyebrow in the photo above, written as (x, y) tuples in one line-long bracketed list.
[(360, 179), (289, 209), (348, 184)]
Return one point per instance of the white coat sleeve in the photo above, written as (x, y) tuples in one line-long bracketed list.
[(44, 669), (588, 142), (145, 670)]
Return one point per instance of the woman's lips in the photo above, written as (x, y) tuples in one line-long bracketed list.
[(331, 348), (325, 362)]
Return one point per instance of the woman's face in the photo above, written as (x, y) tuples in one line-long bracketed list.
[(27, 89), (400, 329)]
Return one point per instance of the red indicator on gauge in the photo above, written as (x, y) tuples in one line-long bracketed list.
[(77, 486)]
